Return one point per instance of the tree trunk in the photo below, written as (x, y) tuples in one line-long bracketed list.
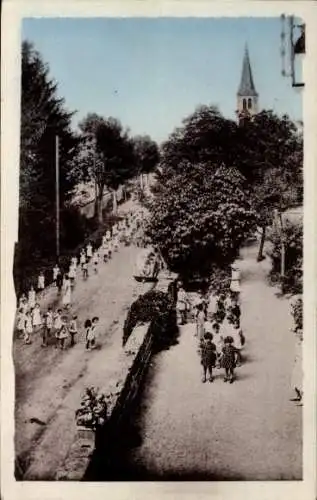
[(114, 202), (260, 253)]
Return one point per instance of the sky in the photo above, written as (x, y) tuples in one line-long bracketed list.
[(153, 72)]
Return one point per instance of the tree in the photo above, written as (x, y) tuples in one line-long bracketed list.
[(43, 116), (270, 155), (205, 136), (200, 218), (147, 155), (106, 156)]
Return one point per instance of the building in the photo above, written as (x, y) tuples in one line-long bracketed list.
[(247, 96)]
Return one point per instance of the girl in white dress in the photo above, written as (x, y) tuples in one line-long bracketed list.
[(36, 316), (89, 251), (31, 298), (74, 262), (72, 274), (56, 271), (41, 282), (67, 292), (82, 258)]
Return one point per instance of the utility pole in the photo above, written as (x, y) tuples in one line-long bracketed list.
[(57, 195), (282, 247)]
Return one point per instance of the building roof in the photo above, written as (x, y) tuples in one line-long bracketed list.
[(247, 88)]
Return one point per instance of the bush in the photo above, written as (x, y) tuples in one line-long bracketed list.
[(297, 313), (158, 308), (293, 234)]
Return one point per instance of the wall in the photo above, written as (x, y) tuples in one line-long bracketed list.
[(131, 366)]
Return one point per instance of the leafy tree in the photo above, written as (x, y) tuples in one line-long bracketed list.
[(205, 136), (200, 217), (293, 241), (43, 117), (147, 155), (270, 155), (106, 155)]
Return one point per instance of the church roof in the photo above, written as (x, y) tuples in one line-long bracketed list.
[(247, 87)]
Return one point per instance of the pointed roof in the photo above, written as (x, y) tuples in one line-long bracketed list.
[(247, 87)]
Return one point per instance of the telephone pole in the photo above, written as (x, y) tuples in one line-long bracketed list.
[(57, 196)]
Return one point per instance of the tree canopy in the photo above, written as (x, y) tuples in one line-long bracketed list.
[(200, 217), (106, 155), (43, 117), (218, 179)]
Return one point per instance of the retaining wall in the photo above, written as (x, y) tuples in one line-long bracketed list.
[(122, 390)]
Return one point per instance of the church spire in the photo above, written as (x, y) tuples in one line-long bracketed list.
[(247, 96), (247, 87)]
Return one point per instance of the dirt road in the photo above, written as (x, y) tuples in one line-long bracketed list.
[(245, 431), (49, 382)]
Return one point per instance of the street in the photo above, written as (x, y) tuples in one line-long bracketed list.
[(49, 382), (245, 431)]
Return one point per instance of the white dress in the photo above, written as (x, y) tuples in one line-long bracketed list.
[(89, 251), (37, 320), (55, 273), (28, 325), (67, 294), (58, 322), (40, 283), (31, 299), (235, 281), (72, 272)]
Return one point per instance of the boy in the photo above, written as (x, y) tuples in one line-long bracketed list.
[(208, 355), (48, 325), (73, 330)]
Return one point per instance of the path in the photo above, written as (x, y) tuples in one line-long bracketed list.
[(245, 431), (49, 382)]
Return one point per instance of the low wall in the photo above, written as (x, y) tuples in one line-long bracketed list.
[(121, 390)]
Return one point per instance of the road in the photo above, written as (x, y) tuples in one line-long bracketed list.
[(49, 382), (245, 431)]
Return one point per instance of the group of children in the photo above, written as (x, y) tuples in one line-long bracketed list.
[(31, 321), (218, 330), (56, 325)]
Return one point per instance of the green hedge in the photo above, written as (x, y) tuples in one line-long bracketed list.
[(158, 308)]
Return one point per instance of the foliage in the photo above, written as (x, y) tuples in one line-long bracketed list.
[(93, 409), (204, 137), (297, 313), (159, 309), (200, 218), (146, 153), (293, 241), (43, 117), (106, 155)]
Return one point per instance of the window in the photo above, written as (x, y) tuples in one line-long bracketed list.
[(249, 103), (244, 104)]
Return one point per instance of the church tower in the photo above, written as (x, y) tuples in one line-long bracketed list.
[(247, 97)]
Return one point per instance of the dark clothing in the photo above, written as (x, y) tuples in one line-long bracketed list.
[(229, 354), (59, 282), (208, 353)]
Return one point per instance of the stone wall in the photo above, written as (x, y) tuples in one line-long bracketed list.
[(121, 390)]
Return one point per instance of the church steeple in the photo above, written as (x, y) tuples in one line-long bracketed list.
[(247, 96)]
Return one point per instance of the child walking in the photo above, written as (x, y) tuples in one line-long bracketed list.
[(91, 334), (208, 355), (63, 333), (230, 356), (73, 330), (57, 325), (200, 322), (48, 325)]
